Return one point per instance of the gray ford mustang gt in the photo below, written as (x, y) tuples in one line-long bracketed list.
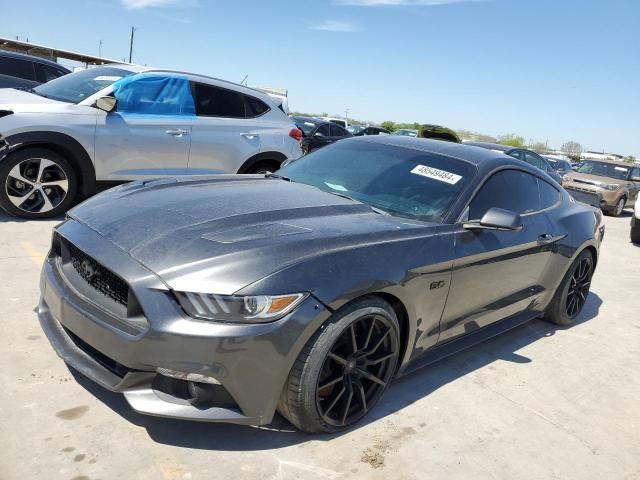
[(306, 292)]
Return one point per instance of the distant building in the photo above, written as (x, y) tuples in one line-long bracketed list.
[(601, 156)]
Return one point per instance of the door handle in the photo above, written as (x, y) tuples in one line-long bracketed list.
[(545, 238), (249, 136), (177, 132)]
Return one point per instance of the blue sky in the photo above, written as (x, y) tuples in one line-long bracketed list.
[(553, 70)]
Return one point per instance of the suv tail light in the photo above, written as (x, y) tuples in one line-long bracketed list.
[(296, 134)]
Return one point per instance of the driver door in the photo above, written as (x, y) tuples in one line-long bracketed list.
[(149, 133), (498, 273)]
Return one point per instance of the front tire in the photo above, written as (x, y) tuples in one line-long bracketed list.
[(618, 208), (264, 167), (571, 295), (344, 369), (36, 183)]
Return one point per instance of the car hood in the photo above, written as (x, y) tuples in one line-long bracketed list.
[(221, 234), (16, 100), (594, 180)]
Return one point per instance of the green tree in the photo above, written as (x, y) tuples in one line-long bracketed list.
[(630, 159), (512, 139), (389, 125)]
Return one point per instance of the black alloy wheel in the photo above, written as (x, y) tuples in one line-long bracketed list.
[(579, 287), (356, 371)]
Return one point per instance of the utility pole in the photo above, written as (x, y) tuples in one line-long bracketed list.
[(133, 29), (100, 48), (346, 114)]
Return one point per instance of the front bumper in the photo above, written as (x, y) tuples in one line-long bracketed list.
[(250, 362)]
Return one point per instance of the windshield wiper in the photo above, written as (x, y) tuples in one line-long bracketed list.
[(375, 209)]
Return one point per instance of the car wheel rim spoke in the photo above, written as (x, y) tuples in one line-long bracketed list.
[(352, 369), (37, 185), (579, 287)]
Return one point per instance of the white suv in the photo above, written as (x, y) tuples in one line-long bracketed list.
[(116, 123)]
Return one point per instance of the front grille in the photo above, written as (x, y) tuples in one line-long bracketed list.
[(100, 278), (108, 363)]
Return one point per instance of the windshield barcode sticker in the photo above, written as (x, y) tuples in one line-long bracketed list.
[(435, 174)]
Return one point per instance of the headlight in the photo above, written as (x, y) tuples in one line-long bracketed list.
[(566, 178), (236, 309), (611, 186)]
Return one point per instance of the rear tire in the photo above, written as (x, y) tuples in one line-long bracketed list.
[(635, 230), (343, 370), (571, 295), (36, 183), (264, 167)]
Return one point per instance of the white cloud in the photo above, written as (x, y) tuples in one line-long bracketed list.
[(139, 4), (414, 3), (336, 26)]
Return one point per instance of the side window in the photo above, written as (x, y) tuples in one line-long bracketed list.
[(635, 172), (337, 131), (535, 160), (154, 95), (255, 107), (516, 154), (218, 102), (549, 196), (16, 67), (45, 73), (508, 189), (323, 130)]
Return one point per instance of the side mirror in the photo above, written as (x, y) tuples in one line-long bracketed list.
[(317, 134), (108, 104), (496, 219)]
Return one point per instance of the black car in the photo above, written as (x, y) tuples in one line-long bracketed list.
[(362, 130), (18, 70), (559, 165), (228, 298), (532, 158), (317, 133)]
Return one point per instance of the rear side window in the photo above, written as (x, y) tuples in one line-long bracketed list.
[(16, 67), (255, 107), (535, 160), (218, 102), (508, 189), (549, 196), (516, 154), (337, 131), (323, 130)]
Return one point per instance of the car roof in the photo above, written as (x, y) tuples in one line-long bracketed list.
[(611, 162), (492, 146), (484, 159), (32, 58)]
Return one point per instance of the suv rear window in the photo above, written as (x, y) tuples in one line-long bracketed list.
[(256, 107)]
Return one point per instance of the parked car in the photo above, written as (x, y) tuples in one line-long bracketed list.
[(532, 158), (309, 290), (117, 123), (559, 165), (18, 70), (406, 132), (635, 223), (317, 133), (338, 121), (362, 130), (438, 132), (617, 182)]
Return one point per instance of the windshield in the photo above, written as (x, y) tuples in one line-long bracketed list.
[(355, 129), (305, 124), (601, 169), (400, 181), (75, 87), (407, 133)]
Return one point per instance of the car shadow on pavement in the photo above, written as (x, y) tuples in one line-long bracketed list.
[(402, 393), (6, 218)]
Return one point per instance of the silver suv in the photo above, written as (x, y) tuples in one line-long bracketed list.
[(68, 138)]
